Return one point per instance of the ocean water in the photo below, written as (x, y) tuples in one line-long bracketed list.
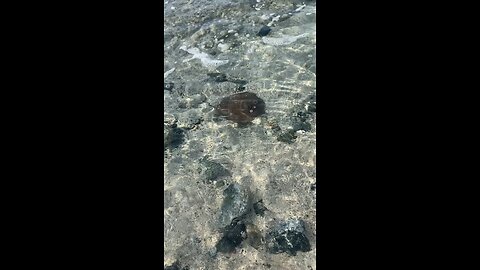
[(213, 50)]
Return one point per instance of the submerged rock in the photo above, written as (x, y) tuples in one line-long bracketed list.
[(176, 266), (213, 171), (233, 236), (168, 86), (287, 136), (235, 204), (264, 31), (241, 107), (287, 236), (259, 208), (218, 77), (174, 138)]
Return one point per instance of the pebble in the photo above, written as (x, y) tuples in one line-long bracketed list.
[(168, 86), (169, 119), (264, 31)]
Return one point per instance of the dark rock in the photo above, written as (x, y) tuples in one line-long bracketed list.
[(259, 208), (241, 88), (274, 127), (218, 77), (311, 104), (220, 183), (288, 236), (221, 77), (302, 116), (287, 136), (241, 107), (174, 138), (213, 170), (264, 31), (298, 125), (233, 236), (168, 86), (313, 186), (312, 107), (235, 203), (176, 266), (239, 81)]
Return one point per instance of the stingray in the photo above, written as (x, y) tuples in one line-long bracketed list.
[(241, 108)]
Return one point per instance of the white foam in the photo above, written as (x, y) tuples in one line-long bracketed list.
[(283, 40), (300, 8), (203, 57), (168, 73), (275, 19)]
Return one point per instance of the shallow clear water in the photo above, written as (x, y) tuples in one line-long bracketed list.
[(212, 50)]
